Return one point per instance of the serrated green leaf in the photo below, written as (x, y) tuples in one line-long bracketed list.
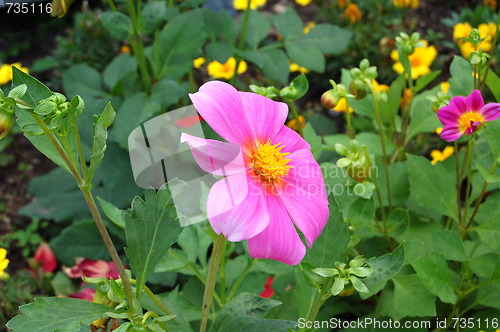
[(99, 140), (434, 273), (151, 228), (59, 314)]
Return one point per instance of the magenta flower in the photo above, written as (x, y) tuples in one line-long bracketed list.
[(272, 181), (465, 115)]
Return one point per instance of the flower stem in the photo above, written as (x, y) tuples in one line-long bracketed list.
[(240, 279), (457, 170), (296, 116), (79, 147), (217, 254), (468, 188), (493, 48), (348, 118), (241, 43)]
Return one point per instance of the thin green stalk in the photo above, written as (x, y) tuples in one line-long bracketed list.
[(348, 118), (192, 84), (217, 254), (494, 44), (241, 43), (223, 274), (481, 196), (296, 116), (155, 299), (457, 170), (240, 279), (67, 148), (468, 188), (79, 147), (319, 299), (154, 315), (137, 45), (112, 5)]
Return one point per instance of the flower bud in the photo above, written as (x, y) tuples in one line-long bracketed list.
[(6, 122), (330, 99)]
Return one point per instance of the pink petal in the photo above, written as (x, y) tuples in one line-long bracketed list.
[(304, 195), (475, 101), (236, 207), (490, 111), (279, 241), (221, 106), (448, 114), (459, 103), (290, 140), (265, 117), (451, 134), (215, 157)]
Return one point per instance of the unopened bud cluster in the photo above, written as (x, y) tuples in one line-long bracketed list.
[(331, 98), (440, 100), (7, 108), (406, 44), (362, 78), (56, 111), (356, 161)]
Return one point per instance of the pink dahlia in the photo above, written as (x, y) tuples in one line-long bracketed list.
[(272, 182), (465, 115)]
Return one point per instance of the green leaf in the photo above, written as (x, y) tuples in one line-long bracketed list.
[(492, 132), (80, 239), (167, 92), (36, 90), (116, 215), (118, 24), (489, 233), (449, 244), (244, 313), (258, 28), (59, 314), (18, 92), (101, 124), (398, 221), (327, 38), (219, 51), (131, 113), (488, 295), (423, 118), (119, 67), (151, 228), (301, 85), (433, 271), (323, 254), (488, 177), (83, 80), (384, 268), (461, 81), (308, 57), (289, 24), (274, 64), (432, 187), (313, 139), (423, 81), (493, 82), (153, 15)]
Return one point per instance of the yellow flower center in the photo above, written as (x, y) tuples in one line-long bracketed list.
[(269, 162), (470, 121)]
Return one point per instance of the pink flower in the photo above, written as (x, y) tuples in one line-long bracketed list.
[(268, 291), (86, 294), (271, 177), (465, 115), (45, 258), (92, 269)]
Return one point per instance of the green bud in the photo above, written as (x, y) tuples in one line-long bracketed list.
[(364, 65), (329, 99), (289, 92), (269, 92), (46, 108), (19, 91), (78, 104), (6, 121), (341, 150)]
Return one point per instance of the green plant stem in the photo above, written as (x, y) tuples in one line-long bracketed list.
[(494, 44), (109, 244), (112, 5), (137, 45), (467, 190), (67, 148), (382, 141), (405, 121), (155, 299), (457, 170), (319, 299), (240, 279), (80, 148), (296, 116), (241, 43), (217, 254), (223, 274), (154, 315), (481, 196), (348, 118)]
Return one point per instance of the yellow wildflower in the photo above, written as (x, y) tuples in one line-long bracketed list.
[(406, 3), (225, 70), (490, 3), (125, 49), (198, 62), (438, 156), (353, 13), (486, 30), (462, 30), (4, 262), (420, 60), (303, 2), (6, 72), (445, 87), (438, 130), (292, 124), (379, 87), (295, 67), (308, 27), (342, 3), (243, 4), (341, 106)]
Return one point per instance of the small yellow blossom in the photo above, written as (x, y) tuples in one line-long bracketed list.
[(406, 3), (439, 130), (420, 60), (445, 87), (342, 3), (303, 2), (295, 67), (353, 13), (308, 27), (292, 124), (6, 72), (198, 62), (490, 3), (341, 106), (438, 156), (4, 262), (379, 87), (125, 49), (462, 30), (225, 70), (243, 4)]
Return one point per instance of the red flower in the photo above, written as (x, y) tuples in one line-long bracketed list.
[(45, 258), (268, 291), (92, 269), (86, 294)]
